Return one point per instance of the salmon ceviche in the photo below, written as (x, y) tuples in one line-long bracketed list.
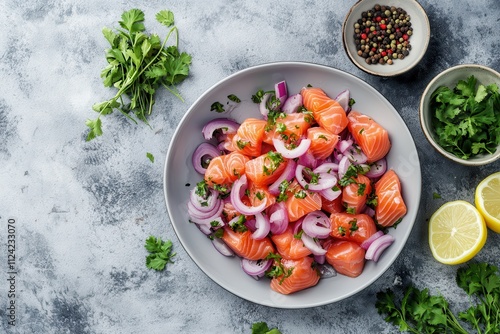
[(300, 194)]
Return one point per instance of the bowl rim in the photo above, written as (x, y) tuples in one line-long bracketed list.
[(404, 238), (353, 59), (427, 132)]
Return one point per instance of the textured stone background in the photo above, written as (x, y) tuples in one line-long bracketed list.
[(84, 209)]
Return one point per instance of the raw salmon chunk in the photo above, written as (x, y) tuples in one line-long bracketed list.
[(302, 276), (245, 246), (225, 169), (346, 257), (326, 111), (390, 204), (323, 142), (351, 227), (288, 246), (301, 202), (266, 168), (289, 128), (354, 194), (248, 138), (257, 194), (370, 136)]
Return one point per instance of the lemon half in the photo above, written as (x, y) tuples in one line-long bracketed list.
[(457, 232), (487, 200)]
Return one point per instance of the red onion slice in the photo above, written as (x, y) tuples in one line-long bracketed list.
[(278, 218), (325, 180), (307, 159), (317, 224), (293, 153), (344, 164), (263, 105), (297, 226), (330, 194), (287, 174), (262, 226), (312, 244), (203, 154), (327, 167), (204, 204), (356, 155), (222, 248), (377, 169), (365, 244), (207, 220), (226, 125), (255, 267), (205, 229), (292, 104), (239, 187), (281, 92), (344, 145), (194, 213), (320, 259), (343, 99), (378, 246)]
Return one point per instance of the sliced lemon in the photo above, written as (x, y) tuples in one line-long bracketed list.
[(457, 232), (488, 200)]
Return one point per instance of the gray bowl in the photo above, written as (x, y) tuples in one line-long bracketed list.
[(449, 78), (419, 40), (180, 177)]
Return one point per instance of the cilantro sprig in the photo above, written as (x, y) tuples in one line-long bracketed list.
[(138, 64), (417, 311), (466, 118), (263, 328), (160, 253)]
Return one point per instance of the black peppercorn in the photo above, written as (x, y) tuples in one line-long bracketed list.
[(382, 34)]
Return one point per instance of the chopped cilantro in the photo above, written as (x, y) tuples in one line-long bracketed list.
[(300, 194), (239, 224), (466, 119), (234, 98), (242, 144), (202, 189), (217, 107)]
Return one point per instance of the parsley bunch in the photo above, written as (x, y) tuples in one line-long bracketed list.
[(160, 253), (420, 312), (138, 64), (467, 120)]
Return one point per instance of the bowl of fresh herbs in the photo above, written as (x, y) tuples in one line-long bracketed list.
[(460, 114)]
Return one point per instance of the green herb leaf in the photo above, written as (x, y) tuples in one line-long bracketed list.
[(466, 120), (160, 253), (262, 328), (165, 17), (138, 64), (150, 157)]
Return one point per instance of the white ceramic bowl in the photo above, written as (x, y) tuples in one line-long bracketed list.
[(419, 40), (226, 272), (449, 78)]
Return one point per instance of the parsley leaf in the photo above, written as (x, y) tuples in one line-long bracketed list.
[(150, 156), (160, 253)]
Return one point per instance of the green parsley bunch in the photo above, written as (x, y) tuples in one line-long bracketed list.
[(138, 64)]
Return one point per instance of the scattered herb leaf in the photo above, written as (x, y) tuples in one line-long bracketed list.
[(160, 253)]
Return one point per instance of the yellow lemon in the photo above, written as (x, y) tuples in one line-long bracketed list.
[(457, 232), (488, 200)]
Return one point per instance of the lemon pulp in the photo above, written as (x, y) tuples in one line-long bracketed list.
[(457, 232), (487, 200)]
